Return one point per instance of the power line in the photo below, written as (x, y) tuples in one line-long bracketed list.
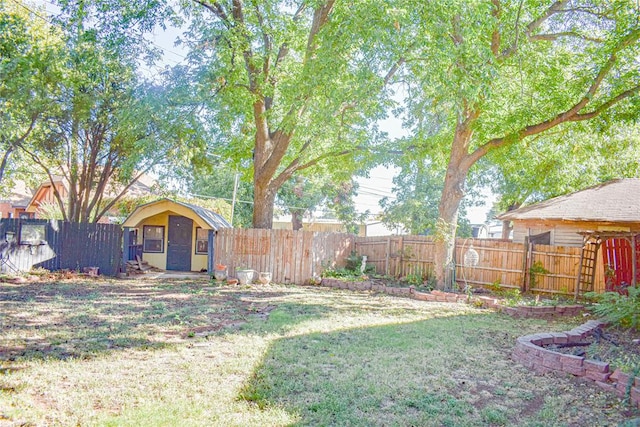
[(32, 12)]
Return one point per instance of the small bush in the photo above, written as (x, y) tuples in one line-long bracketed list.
[(618, 309)]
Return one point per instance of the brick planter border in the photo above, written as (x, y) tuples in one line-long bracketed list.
[(538, 312), (365, 285), (529, 352)]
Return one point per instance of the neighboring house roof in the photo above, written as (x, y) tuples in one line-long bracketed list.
[(19, 196), (142, 187), (208, 217), (613, 201)]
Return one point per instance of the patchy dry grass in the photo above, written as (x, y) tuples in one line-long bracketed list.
[(187, 353)]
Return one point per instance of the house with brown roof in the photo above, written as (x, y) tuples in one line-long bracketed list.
[(605, 216), (15, 203), (610, 207), (45, 193)]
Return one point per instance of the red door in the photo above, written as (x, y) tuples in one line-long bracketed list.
[(617, 257)]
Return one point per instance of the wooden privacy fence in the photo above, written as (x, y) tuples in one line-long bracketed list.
[(57, 245), (291, 256), (538, 268)]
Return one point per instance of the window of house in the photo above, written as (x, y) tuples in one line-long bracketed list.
[(202, 241), (32, 234), (153, 238)]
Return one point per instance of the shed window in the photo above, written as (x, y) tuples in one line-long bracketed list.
[(153, 238), (202, 241)]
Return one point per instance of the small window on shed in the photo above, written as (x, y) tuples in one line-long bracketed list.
[(153, 238), (202, 241)]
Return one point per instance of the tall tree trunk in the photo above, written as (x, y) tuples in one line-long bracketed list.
[(507, 226), (264, 197), (445, 236), (452, 194), (5, 160), (296, 220)]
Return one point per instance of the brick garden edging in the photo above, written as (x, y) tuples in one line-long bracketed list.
[(410, 291), (538, 312), (530, 311), (529, 352)]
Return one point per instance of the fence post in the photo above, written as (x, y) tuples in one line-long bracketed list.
[(386, 261), (126, 242), (528, 248)]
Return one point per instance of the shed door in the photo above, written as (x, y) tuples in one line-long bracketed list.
[(179, 243), (617, 257)]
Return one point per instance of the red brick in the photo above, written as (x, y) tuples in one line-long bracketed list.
[(622, 381), (572, 361), (560, 338), (551, 359), (597, 376), (596, 366), (615, 374), (574, 370), (573, 337), (546, 339), (420, 296), (534, 349), (635, 394)]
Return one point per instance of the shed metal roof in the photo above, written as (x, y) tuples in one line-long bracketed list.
[(211, 218)]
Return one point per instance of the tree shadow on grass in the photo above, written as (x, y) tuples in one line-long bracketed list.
[(442, 371)]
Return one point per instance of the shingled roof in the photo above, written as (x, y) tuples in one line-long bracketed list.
[(613, 201)]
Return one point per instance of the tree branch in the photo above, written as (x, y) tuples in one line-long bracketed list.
[(320, 17), (295, 165), (532, 26), (495, 36), (556, 36), (573, 113)]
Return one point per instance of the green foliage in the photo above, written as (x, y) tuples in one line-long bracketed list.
[(30, 68), (50, 210), (351, 270), (618, 309), (417, 191), (414, 279), (353, 262), (534, 271), (290, 89), (501, 80)]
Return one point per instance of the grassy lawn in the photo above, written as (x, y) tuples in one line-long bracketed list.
[(184, 353)]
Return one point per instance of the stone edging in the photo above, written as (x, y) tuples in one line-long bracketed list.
[(529, 352), (538, 312), (410, 291), (531, 311)]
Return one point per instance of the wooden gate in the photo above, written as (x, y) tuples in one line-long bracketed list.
[(620, 265)]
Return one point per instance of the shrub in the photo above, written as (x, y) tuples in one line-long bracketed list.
[(618, 309)]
